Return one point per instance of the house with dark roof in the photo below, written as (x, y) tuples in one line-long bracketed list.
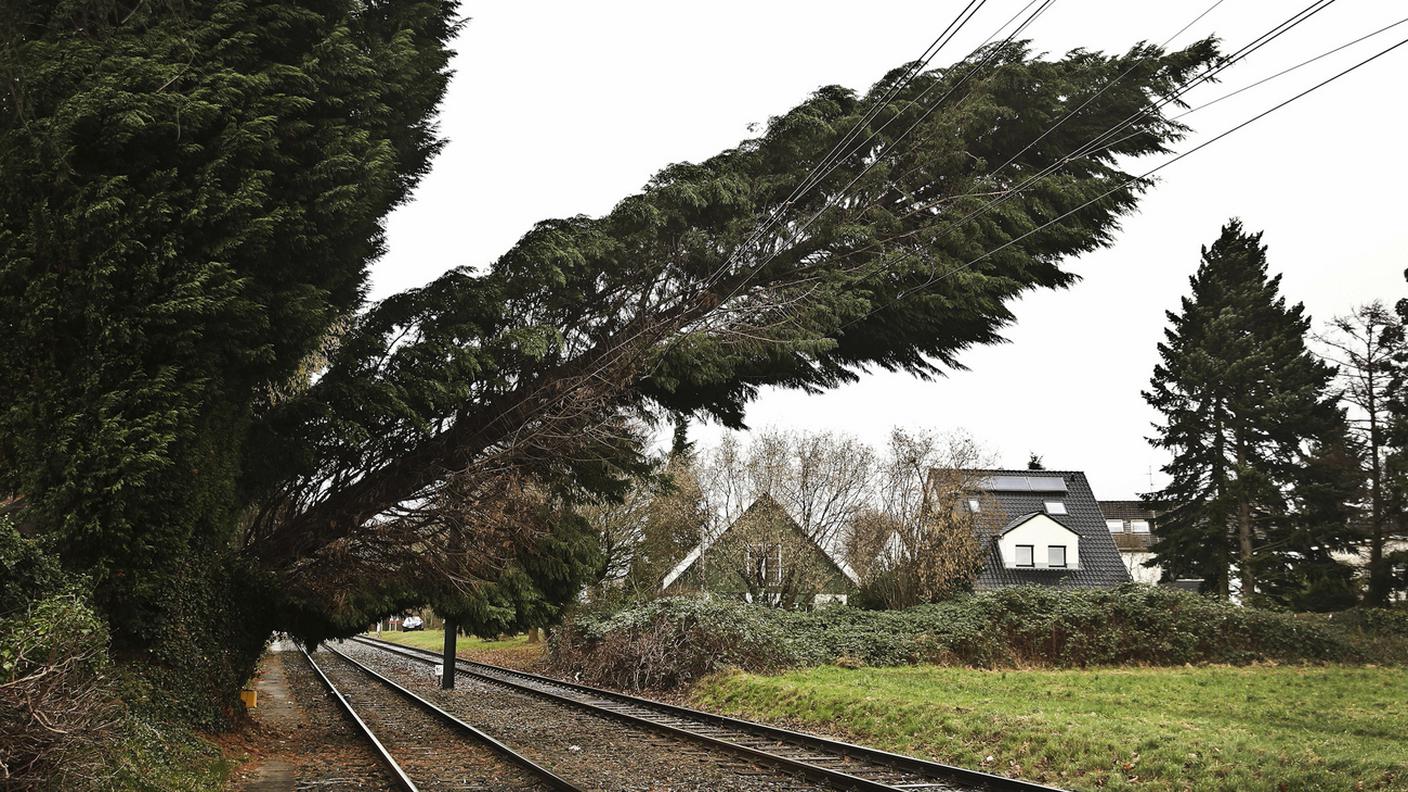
[(1042, 528), (1131, 524), (765, 556)]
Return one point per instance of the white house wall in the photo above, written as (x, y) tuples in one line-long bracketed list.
[(1134, 562), (1040, 532)]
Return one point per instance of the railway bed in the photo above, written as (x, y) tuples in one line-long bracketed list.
[(824, 762)]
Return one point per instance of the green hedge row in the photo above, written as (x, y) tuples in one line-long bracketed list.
[(671, 641)]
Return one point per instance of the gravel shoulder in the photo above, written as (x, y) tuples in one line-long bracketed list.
[(592, 751)]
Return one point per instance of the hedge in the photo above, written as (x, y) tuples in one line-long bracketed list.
[(672, 641)]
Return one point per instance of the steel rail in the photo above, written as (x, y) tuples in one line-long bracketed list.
[(402, 780), (679, 717), (550, 778)]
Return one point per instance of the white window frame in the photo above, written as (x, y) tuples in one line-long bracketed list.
[(974, 505), (1115, 526), (1031, 557), (1055, 507), (1064, 559), (1139, 526)]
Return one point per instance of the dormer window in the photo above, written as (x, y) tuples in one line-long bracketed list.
[(1055, 507), (973, 505), (1036, 541)]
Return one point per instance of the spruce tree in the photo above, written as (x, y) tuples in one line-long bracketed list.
[(1241, 399)]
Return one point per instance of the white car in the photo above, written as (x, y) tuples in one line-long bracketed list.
[(412, 623)]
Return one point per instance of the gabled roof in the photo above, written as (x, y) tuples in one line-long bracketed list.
[(763, 501), (1126, 510), (1023, 519), (1025, 492)]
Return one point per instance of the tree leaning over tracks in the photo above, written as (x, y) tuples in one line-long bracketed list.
[(194, 193)]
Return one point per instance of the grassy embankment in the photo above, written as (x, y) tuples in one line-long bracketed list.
[(1182, 728)]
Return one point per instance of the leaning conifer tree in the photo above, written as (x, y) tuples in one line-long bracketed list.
[(194, 191), (1241, 399)]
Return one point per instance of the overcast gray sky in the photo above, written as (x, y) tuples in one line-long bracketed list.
[(562, 108)]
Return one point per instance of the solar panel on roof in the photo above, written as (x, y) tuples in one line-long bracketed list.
[(1025, 484)]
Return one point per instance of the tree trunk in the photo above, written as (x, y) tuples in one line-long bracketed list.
[(534, 635), (1377, 595), (1244, 528)]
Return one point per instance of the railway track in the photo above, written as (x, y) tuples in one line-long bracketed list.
[(827, 762), (424, 747)]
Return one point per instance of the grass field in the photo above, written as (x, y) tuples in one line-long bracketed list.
[(515, 651), (1203, 728)]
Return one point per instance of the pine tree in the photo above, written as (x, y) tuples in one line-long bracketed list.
[(1241, 399)]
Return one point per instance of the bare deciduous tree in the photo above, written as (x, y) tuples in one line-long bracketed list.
[(919, 544), (819, 481), (1365, 345)]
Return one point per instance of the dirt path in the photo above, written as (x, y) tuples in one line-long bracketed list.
[(297, 738)]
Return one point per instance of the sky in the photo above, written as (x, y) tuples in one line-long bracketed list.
[(564, 108)]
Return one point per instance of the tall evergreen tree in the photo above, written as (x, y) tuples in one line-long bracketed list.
[(1241, 398), (192, 195)]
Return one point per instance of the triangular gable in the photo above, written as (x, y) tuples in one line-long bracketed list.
[(698, 550), (1029, 516)]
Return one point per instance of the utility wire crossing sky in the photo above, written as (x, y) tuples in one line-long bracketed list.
[(560, 109)]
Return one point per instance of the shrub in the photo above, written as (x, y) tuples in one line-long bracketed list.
[(672, 641), (26, 571), (56, 700)]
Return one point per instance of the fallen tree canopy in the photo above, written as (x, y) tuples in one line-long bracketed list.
[(204, 418)]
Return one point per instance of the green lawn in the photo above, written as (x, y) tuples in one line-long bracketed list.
[(435, 639), (1206, 728)]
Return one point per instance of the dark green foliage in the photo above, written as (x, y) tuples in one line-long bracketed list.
[(675, 640), (193, 193), (27, 573), (1242, 399), (428, 380), (536, 587)]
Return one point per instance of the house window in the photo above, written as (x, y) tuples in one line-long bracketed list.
[(1055, 507), (764, 563), (1139, 526), (1056, 555), (1115, 526), (1025, 555), (973, 505)]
